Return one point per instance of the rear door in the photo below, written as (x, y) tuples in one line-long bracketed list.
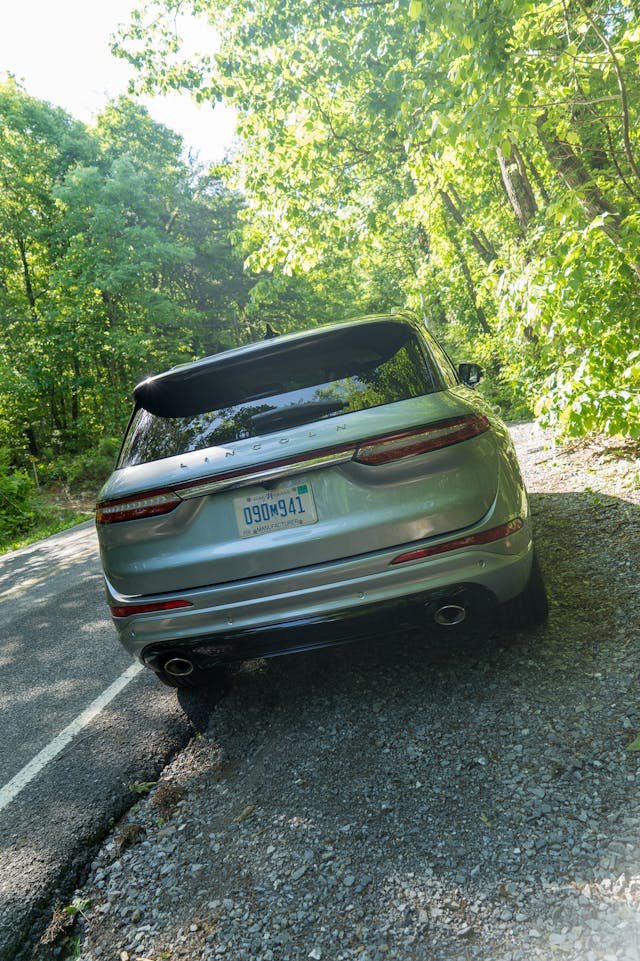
[(329, 450)]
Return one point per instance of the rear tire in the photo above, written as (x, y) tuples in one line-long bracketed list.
[(529, 608)]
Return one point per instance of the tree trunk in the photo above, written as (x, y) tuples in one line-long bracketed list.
[(75, 394), (56, 413), (27, 276), (32, 441), (535, 173), (622, 87), (517, 186), (577, 178), (469, 284), (480, 242)]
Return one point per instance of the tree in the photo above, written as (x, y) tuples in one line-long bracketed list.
[(116, 260), (505, 132)]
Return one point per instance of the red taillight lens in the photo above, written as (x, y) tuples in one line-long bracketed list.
[(133, 508), (148, 608), (424, 439), (483, 537)]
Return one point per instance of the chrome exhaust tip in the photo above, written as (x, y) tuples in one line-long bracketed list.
[(448, 615), (178, 667)]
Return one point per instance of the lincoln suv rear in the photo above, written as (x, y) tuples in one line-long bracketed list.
[(308, 490)]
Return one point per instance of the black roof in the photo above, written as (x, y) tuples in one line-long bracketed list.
[(178, 392)]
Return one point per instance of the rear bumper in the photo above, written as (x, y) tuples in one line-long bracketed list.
[(325, 604), (327, 630)]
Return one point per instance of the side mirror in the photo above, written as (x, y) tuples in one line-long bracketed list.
[(470, 374)]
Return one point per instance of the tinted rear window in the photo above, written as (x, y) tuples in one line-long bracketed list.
[(346, 370)]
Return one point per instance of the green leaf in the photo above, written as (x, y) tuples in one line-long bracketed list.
[(142, 787), (77, 906)]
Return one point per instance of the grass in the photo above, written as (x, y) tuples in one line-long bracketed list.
[(51, 518)]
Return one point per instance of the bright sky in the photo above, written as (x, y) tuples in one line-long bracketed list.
[(59, 50)]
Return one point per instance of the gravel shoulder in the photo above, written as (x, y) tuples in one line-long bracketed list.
[(390, 801)]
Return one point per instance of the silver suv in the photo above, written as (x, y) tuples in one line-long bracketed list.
[(308, 490)]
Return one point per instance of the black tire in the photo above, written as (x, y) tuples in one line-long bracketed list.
[(529, 608)]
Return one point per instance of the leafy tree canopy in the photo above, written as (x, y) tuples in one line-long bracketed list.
[(116, 260), (478, 162), (119, 258)]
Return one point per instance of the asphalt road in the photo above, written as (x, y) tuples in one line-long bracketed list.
[(79, 724)]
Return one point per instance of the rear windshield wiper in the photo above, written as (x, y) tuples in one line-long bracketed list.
[(296, 413)]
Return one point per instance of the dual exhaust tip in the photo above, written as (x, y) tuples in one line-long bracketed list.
[(450, 615), (447, 615), (178, 667)]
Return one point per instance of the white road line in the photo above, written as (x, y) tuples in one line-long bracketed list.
[(30, 770)]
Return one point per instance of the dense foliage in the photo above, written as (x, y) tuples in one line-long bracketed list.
[(478, 162), (118, 258), (114, 261), (475, 162)]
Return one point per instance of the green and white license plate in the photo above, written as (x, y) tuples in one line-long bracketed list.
[(275, 510)]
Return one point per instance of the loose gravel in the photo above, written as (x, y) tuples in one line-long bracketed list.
[(395, 800)]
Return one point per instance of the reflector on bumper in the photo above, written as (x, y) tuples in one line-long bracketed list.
[(471, 540), (148, 608)]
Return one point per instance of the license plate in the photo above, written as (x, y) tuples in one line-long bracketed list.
[(276, 510)]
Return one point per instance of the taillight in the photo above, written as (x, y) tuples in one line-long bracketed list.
[(133, 508), (471, 540), (148, 608), (424, 439)]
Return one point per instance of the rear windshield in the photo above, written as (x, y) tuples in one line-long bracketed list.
[(346, 370)]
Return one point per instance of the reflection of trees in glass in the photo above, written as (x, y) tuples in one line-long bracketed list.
[(153, 438), (235, 424), (399, 377), (403, 375)]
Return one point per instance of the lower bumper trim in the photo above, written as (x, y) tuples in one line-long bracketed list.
[(327, 630)]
